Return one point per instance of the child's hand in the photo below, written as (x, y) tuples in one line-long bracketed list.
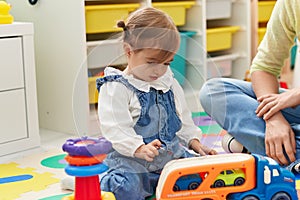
[(201, 149), (148, 151)]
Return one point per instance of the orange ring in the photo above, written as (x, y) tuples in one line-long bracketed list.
[(85, 160)]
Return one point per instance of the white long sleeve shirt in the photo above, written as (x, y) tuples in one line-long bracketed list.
[(119, 109)]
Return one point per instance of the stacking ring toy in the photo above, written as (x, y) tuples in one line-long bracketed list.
[(85, 171), (87, 146), (84, 160)]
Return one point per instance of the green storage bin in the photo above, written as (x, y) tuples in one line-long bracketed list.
[(178, 65)]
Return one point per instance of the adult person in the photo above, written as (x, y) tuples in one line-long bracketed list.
[(261, 116)]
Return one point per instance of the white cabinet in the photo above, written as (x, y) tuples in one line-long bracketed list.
[(19, 129)]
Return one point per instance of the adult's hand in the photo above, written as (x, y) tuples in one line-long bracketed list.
[(270, 104), (280, 137)]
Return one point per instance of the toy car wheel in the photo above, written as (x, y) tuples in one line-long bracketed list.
[(87, 146), (239, 181), (176, 188), (281, 196), (250, 197), (193, 186), (219, 183)]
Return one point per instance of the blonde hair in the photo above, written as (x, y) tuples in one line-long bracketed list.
[(151, 28)]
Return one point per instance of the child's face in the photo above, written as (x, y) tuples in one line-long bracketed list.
[(146, 64)]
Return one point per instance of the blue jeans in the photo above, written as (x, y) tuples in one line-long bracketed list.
[(232, 103), (129, 182)]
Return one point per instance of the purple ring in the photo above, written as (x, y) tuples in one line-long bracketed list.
[(87, 146)]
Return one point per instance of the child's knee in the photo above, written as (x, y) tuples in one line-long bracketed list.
[(204, 95), (124, 186), (112, 181)]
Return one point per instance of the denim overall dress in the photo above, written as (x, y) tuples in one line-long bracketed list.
[(133, 178)]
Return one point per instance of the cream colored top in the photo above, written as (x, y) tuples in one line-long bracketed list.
[(119, 109), (282, 28)]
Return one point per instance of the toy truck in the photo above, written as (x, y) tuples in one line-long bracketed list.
[(234, 176)]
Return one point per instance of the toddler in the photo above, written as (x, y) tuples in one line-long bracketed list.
[(142, 110)]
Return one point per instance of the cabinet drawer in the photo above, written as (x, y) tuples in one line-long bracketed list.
[(220, 38), (218, 9), (265, 9), (93, 92), (11, 56), (176, 10), (12, 116), (104, 53), (103, 18), (261, 33), (220, 65)]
